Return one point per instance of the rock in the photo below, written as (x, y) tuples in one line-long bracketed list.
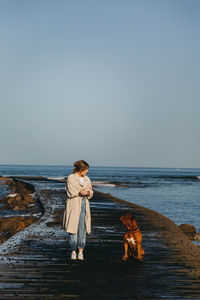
[(18, 198), (11, 225), (5, 180), (28, 199), (189, 230), (197, 237), (20, 201), (16, 207), (20, 226)]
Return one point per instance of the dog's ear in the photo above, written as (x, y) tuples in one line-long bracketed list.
[(133, 221), (122, 219), (133, 218)]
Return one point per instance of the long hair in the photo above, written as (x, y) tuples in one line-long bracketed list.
[(80, 165)]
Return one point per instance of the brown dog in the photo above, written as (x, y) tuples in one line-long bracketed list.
[(132, 238)]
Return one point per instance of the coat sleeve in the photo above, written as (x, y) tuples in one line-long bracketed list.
[(71, 189), (91, 191)]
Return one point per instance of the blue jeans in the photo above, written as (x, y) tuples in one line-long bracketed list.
[(78, 240)]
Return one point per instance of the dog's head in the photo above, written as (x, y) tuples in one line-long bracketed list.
[(129, 221)]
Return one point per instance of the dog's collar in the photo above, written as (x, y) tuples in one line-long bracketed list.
[(134, 229)]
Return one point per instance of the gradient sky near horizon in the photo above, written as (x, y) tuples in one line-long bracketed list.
[(116, 83)]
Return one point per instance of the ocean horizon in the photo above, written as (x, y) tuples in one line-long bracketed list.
[(99, 166)]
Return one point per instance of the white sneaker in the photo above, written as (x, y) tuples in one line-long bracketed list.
[(73, 255), (80, 255)]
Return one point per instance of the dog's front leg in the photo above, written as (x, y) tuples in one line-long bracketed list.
[(125, 251), (139, 252)]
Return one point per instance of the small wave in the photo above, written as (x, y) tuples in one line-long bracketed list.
[(12, 195), (120, 184), (103, 183), (41, 178), (171, 177), (57, 178), (9, 214), (37, 214)]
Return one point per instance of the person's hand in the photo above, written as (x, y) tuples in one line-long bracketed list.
[(84, 192), (89, 188), (87, 191)]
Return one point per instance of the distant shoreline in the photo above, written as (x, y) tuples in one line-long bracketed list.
[(96, 166)]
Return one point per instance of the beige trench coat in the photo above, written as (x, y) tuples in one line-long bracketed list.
[(73, 204)]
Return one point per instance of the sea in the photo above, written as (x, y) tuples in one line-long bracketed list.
[(173, 192)]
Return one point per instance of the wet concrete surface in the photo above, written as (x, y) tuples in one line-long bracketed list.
[(35, 264)]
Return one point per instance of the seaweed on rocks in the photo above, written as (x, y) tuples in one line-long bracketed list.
[(20, 207)]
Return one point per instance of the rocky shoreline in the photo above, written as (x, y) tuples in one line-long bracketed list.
[(19, 208), (190, 231)]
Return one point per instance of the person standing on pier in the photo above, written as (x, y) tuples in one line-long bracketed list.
[(77, 217)]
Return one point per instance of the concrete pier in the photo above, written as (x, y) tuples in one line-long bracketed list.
[(35, 263)]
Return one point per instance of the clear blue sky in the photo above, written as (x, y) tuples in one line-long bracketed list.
[(116, 83)]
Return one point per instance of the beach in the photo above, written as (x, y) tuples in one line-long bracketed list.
[(35, 262)]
